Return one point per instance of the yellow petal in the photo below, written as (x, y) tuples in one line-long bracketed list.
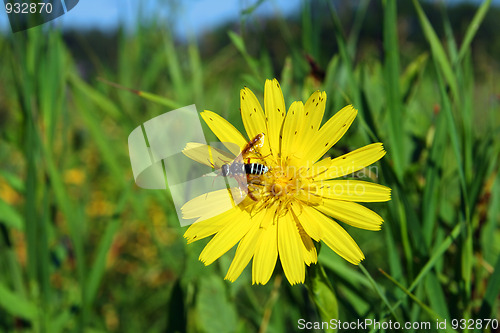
[(351, 213), (314, 110), (292, 131), (330, 133), (226, 132), (318, 168), (226, 238), (290, 250), (253, 118), (353, 190), (274, 105), (353, 161), (244, 253), (208, 227), (266, 251), (208, 205), (342, 243), (303, 215), (308, 248), (334, 236)]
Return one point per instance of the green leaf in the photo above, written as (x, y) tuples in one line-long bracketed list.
[(287, 77), (177, 309), (10, 217), (60, 321), (322, 294), (240, 45), (99, 264), (16, 305), (159, 99), (491, 294), (412, 75), (13, 180), (215, 313)]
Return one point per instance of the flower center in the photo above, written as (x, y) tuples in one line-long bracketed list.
[(280, 183), (281, 188)]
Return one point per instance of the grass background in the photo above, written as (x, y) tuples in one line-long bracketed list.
[(84, 249)]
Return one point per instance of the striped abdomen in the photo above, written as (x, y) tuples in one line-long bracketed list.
[(255, 169)]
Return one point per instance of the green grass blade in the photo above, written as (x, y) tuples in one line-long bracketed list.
[(450, 39), (95, 96), (488, 240), (395, 108), (240, 46), (342, 271), (437, 253), (196, 71), (99, 264), (357, 25), (379, 292), (491, 295), (437, 50), (352, 81), (421, 304), (174, 65), (436, 296), (412, 75), (472, 28), (160, 100), (287, 77), (10, 217), (454, 136), (433, 179)]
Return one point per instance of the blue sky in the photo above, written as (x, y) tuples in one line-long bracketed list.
[(195, 15)]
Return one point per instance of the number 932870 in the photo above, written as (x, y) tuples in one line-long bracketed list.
[(28, 8)]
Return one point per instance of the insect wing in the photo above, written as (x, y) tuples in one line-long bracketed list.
[(218, 156), (208, 155)]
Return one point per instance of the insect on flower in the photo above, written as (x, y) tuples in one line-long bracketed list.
[(295, 197), (246, 168), (245, 173)]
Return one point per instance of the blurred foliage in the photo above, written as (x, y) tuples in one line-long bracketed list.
[(82, 248)]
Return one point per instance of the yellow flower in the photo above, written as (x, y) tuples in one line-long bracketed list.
[(294, 201)]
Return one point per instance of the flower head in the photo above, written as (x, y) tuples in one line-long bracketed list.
[(295, 201)]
